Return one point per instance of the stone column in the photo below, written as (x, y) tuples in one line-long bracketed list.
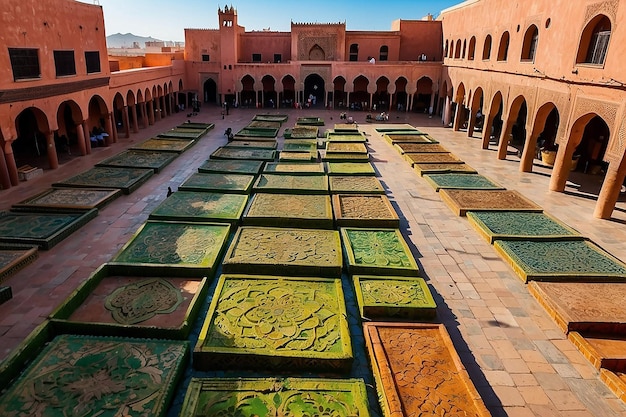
[(51, 150), (87, 138), (108, 128), (458, 116), (133, 110), (529, 153), (150, 110), (157, 108), (561, 169), (82, 147), (447, 113), (409, 104), (431, 108), (609, 193), (5, 179), (370, 101), (10, 164), (126, 121)]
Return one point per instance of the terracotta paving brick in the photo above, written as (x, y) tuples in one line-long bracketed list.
[(500, 330)]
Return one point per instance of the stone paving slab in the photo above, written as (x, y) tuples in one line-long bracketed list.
[(423, 169), (302, 322), (84, 375), (289, 210), (364, 211), (218, 183), (113, 303), (394, 298), (248, 154), (231, 166), (418, 371), (295, 252), (498, 225), (165, 145), (462, 201), (563, 261), (294, 168), (64, 199), (201, 207), (583, 306), (355, 184), (291, 184), (14, 258), (461, 182), (125, 179), (42, 229), (181, 248), (377, 252), (350, 168)]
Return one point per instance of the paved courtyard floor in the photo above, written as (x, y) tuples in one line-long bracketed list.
[(520, 361)]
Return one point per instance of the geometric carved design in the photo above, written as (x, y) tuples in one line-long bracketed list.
[(139, 159), (201, 207), (288, 210), (281, 118), (12, 260), (423, 169), (419, 373), (218, 183), (69, 198), (260, 144), (126, 179), (294, 168), (275, 397), (347, 147), (346, 137), (355, 185), (165, 145), (296, 252), (420, 148), (461, 181), (91, 376), (231, 166), (608, 8), (431, 158), (139, 301), (244, 153), (462, 201), (292, 184), (378, 252), (350, 168), (563, 261), (274, 321)]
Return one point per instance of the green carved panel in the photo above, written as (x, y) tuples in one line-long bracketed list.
[(259, 144), (462, 201), (345, 157), (345, 147), (296, 184), (201, 207), (257, 132), (289, 210), (573, 260), (251, 154), (80, 376), (288, 397), (310, 121), (296, 252), (420, 148), (423, 169), (181, 134), (272, 124), (271, 118), (461, 181), (42, 229), (125, 179), (378, 252), (231, 166), (346, 128), (394, 298), (197, 126), (300, 145), (304, 132), (186, 249), (140, 159), (165, 145), (218, 183), (59, 199), (345, 137), (354, 184), (275, 322), (350, 168), (294, 168), (294, 156), (519, 225), (395, 138), (364, 211)]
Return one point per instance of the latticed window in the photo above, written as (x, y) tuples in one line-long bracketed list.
[(24, 63), (64, 63), (92, 61), (594, 42), (384, 53), (354, 52)]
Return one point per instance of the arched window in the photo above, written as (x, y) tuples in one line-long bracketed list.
[(503, 49), (445, 50), (464, 48), (487, 47), (451, 49), (354, 52), (384, 53), (594, 41), (457, 49), (529, 48), (472, 48)]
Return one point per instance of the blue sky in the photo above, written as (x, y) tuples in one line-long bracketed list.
[(167, 19)]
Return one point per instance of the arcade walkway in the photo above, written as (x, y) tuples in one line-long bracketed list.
[(520, 361)]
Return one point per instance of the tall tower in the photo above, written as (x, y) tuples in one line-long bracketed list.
[(229, 51)]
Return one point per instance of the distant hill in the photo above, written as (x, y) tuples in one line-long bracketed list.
[(127, 40)]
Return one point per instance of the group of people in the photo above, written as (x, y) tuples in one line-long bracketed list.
[(98, 137)]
